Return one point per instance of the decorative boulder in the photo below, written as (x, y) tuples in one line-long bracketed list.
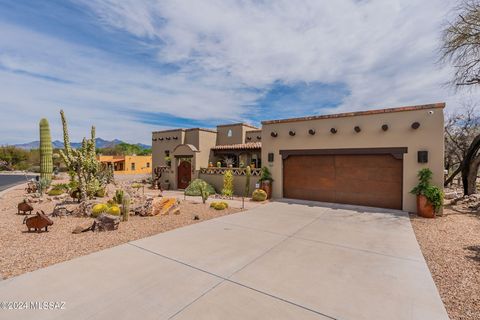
[(259, 195), (106, 222), (164, 206)]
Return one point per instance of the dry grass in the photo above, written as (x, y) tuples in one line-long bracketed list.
[(22, 252), (451, 246)]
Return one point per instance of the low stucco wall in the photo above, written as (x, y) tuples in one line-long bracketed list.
[(429, 136), (216, 180)]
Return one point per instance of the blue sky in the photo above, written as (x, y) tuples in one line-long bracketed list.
[(133, 66)]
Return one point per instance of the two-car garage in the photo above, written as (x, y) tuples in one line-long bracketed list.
[(348, 177)]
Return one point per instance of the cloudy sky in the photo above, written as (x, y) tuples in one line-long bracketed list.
[(133, 66)]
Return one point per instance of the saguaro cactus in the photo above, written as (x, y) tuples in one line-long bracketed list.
[(46, 160)]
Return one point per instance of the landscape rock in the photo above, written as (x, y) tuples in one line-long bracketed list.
[(106, 222)]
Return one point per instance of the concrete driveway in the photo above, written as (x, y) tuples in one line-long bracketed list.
[(277, 261)]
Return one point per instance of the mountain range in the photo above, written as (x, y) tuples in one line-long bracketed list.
[(57, 144)]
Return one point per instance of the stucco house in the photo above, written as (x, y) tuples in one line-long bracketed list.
[(128, 164), (367, 158)]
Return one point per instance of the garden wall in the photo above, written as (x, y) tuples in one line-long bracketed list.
[(216, 180)]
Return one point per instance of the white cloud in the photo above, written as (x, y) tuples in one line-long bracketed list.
[(384, 51)]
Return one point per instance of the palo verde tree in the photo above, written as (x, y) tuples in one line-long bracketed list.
[(461, 47)]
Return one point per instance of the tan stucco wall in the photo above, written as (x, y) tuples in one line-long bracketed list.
[(239, 131), (159, 147), (216, 180), (400, 134), (253, 135), (206, 143)]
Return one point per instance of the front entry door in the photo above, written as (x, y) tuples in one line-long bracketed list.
[(184, 174)]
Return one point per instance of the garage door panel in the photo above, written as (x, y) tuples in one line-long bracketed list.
[(370, 180)]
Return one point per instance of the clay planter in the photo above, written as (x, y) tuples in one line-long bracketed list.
[(424, 207), (267, 187)]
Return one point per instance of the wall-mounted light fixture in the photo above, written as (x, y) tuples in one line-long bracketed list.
[(415, 125), (357, 129), (422, 156), (385, 127), (270, 157)]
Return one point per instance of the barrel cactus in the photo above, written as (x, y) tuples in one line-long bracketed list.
[(46, 154), (114, 210), (259, 195), (98, 209)]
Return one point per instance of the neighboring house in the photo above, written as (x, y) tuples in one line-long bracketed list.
[(367, 158), (128, 164)]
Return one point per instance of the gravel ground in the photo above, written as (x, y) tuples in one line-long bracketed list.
[(451, 247), (22, 252)]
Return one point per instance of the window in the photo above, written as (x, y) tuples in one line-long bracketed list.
[(167, 153), (229, 133), (132, 167), (148, 164)]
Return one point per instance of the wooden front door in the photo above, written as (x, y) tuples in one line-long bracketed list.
[(184, 174), (368, 180)]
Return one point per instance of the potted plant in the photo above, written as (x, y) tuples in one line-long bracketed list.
[(219, 164), (266, 182), (429, 197)]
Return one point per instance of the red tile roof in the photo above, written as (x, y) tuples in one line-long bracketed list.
[(239, 146)]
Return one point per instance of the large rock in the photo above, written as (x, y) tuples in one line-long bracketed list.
[(106, 222), (164, 206)]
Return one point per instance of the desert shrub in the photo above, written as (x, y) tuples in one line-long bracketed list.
[(55, 192), (219, 205), (227, 183), (114, 210), (259, 195), (61, 186), (195, 188), (98, 209)]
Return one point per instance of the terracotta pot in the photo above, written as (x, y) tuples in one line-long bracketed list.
[(424, 207), (267, 187)]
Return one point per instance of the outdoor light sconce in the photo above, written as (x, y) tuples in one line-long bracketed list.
[(385, 127), (274, 134), (270, 157), (357, 129), (333, 130), (249, 138), (415, 125), (422, 156), (311, 132), (291, 133), (259, 137)]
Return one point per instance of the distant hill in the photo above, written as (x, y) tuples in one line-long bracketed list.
[(99, 142)]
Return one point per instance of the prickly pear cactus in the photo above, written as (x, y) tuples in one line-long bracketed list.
[(46, 154)]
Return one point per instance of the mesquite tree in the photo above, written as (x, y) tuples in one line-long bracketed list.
[(82, 162), (461, 47)]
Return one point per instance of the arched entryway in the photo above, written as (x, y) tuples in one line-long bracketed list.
[(184, 173)]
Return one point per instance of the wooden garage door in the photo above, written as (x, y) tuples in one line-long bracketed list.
[(369, 180)]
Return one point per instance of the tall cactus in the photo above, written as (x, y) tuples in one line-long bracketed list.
[(46, 153), (125, 206), (248, 173), (82, 162)]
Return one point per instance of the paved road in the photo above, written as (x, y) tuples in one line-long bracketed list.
[(277, 261), (10, 180)]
